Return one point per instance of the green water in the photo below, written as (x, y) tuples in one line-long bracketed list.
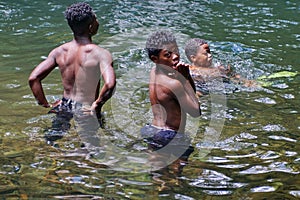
[(256, 154)]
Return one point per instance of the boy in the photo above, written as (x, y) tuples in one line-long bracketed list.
[(172, 97), (202, 69), (81, 64)]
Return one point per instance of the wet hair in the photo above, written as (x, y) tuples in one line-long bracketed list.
[(79, 16), (192, 46), (156, 41)]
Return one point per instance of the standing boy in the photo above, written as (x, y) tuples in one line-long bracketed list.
[(172, 96), (81, 64)]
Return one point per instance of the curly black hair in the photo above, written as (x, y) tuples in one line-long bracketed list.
[(79, 16), (157, 40), (192, 46)]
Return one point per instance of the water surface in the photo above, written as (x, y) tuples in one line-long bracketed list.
[(256, 154)]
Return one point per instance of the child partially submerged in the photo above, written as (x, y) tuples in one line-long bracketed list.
[(202, 69)]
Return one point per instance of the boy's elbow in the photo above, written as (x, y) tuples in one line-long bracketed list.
[(32, 79), (111, 85)]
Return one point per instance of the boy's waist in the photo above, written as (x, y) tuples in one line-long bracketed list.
[(66, 105)]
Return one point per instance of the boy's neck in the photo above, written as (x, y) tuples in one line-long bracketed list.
[(165, 68), (192, 67), (169, 71), (83, 39)]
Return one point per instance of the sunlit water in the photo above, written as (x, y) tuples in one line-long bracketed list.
[(256, 154)]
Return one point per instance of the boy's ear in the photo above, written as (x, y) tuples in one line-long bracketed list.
[(192, 58), (154, 58)]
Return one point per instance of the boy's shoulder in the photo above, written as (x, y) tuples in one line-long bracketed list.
[(203, 70)]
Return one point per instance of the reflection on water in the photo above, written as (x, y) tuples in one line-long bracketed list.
[(256, 155)]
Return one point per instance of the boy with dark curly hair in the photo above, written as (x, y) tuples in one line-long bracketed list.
[(172, 97), (81, 63)]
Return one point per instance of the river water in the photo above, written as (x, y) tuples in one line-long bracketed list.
[(251, 152)]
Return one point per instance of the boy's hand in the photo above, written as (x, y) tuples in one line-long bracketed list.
[(56, 103), (96, 106), (183, 69)]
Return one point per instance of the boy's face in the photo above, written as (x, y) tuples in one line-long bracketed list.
[(168, 56), (203, 57)]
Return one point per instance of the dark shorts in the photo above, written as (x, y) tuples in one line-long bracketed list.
[(61, 123), (66, 106), (167, 141)]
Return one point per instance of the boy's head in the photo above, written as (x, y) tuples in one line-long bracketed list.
[(81, 19), (198, 52), (160, 40)]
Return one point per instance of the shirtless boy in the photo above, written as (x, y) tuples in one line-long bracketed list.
[(81, 64), (202, 70), (172, 95)]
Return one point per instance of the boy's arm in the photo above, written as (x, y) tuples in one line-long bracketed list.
[(190, 79), (183, 69), (109, 81), (187, 98), (186, 91), (37, 75)]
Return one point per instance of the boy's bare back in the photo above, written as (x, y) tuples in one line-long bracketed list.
[(81, 64), (81, 67)]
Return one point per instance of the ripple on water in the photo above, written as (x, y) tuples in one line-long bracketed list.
[(269, 155), (265, 100), (295, 193), (288, 96), (234, 143), (132, 182), (277, 137), (183, 197), (273, 128), (290, 153), (273, 167), (218, 182), (13, 85), (10, 168), (263, 189), (218, 160), (233, 166), (280, 86), (297, 161)]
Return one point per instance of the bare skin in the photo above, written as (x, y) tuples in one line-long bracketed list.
[(202, 69), (81, 64), (202, 64), (172, 91)]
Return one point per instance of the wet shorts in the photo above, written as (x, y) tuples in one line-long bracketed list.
[(61, 123), (66, 106), (167, 141)]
